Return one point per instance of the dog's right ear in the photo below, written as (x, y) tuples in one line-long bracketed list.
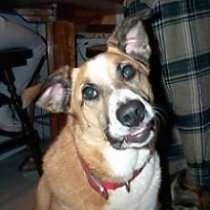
[(55, 93)]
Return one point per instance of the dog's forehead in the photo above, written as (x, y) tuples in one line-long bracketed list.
[(101, 68)]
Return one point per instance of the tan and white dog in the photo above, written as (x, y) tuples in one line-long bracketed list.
[(104, 157)]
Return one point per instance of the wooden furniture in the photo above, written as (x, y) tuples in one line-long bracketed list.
[(63, 18)]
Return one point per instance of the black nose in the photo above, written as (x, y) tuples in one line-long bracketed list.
[(131, 113)]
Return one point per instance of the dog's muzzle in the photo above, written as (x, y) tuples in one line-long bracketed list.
[(134, 116)]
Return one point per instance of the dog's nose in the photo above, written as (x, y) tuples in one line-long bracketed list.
[(131, 113)]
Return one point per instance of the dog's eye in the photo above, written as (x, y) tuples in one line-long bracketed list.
[(127, 72), (89, 92)]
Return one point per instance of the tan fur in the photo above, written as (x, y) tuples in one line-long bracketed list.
[(44, 196), (29, 94), (68, 183), (64, 185), (186, 194)]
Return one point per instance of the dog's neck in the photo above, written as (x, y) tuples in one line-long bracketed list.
[(101, 186)]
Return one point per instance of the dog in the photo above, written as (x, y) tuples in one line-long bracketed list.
[(186, 195), (104, 157)]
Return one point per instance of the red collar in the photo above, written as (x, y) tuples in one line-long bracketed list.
[(102, 187)]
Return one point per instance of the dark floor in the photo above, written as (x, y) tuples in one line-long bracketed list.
[(16, 187)]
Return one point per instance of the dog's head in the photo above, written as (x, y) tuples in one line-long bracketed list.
[(109, 96)]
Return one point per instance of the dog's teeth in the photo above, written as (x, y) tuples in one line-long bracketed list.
[(124, 144), (137, 132)]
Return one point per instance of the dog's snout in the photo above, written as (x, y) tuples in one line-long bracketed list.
[(131, 113)]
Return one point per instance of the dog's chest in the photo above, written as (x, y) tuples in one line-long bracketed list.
[(143, 191), (142, 196)]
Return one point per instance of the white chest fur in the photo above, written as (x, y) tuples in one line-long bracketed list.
[(143, 190)]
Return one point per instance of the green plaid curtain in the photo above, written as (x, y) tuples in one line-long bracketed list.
[(183, 31)]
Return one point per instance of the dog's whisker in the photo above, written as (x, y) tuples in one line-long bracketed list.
[(160, 116)]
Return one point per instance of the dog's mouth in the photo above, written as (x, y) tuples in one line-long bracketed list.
[(137, 137), (139, 134)]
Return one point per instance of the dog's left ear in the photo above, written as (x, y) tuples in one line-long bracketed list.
[(131, 38), (55, 93)]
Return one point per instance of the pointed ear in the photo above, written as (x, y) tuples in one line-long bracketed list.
[(55, 93), (30, 94), (131, 38)]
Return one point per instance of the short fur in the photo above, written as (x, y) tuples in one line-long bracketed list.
[(93, 96), (186, 195)]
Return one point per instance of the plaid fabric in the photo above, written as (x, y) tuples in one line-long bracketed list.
[(183, 31)]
